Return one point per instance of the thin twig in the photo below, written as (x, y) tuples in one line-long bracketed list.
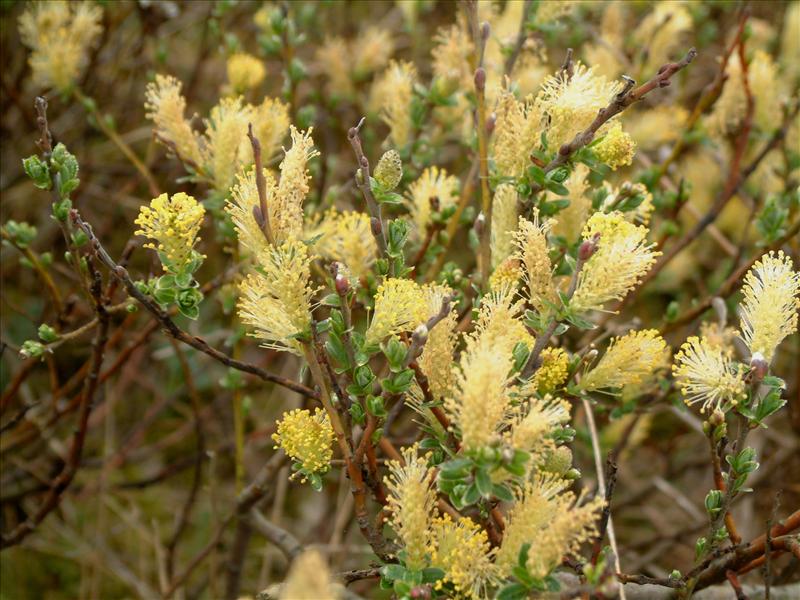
[(363, 184), (619, 103), (601, 485), (172, 329), (262, 215), (73, 460)]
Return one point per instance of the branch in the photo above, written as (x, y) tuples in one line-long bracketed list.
[(620, 102), (262, 215), (72, 463), (169, 325), (522, 35), (283, 540), (363, 184)]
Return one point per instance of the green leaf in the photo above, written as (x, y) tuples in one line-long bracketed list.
[(557, 188), (398, 383), (484, 483), (37, 170), (393, 572), (472, 495), (375, 406), (357, 413), (522, 557), (395, 352), (191, 312), (337, 350), (432, 575), (457, 465), (502, 493), (513, 591), (331, 300)]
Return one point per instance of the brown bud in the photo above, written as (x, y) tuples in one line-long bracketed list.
[(342, 284), (375, 226), (480, 223), (486, 30), (480, 79), (491, 121), (258, 216), (588, 248), (717, 418), (758, 367)]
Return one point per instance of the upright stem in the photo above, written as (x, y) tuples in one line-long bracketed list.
[(601, 484), (485, 256)]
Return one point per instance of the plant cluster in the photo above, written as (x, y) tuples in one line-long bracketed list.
[(452, 266)]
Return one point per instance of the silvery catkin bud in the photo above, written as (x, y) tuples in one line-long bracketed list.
[(389, 170)]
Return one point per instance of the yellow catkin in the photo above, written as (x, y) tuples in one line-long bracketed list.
[(616, 149), (770, 304), (451, 56), (481, 400), (412, 498), (571, 104), (533, 423), (719, 336), (345, 237), (532, 252), (59, 35), (226, 148), (270, 124), (293, 186), (507, 275), (371, 50), (602, 54), (306, 438), (765, 82), (309, 579), (627, 361), (654, 126), (437, 355), (705, 374), (731, 106), (245, 72), (553, 371), (400, 305), (275, 300), (621, 260), (173, 223), (391, 96), (165, 106), (570, 221), (663, 32), (332, 59), (434, 186), (499, 323), (517, 132), (548, 519), (240, 206), (504, 223), (790, 42), (462, 550)]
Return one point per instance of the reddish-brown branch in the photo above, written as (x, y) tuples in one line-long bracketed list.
[(176, 332), (620, 102), (73, 460)]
